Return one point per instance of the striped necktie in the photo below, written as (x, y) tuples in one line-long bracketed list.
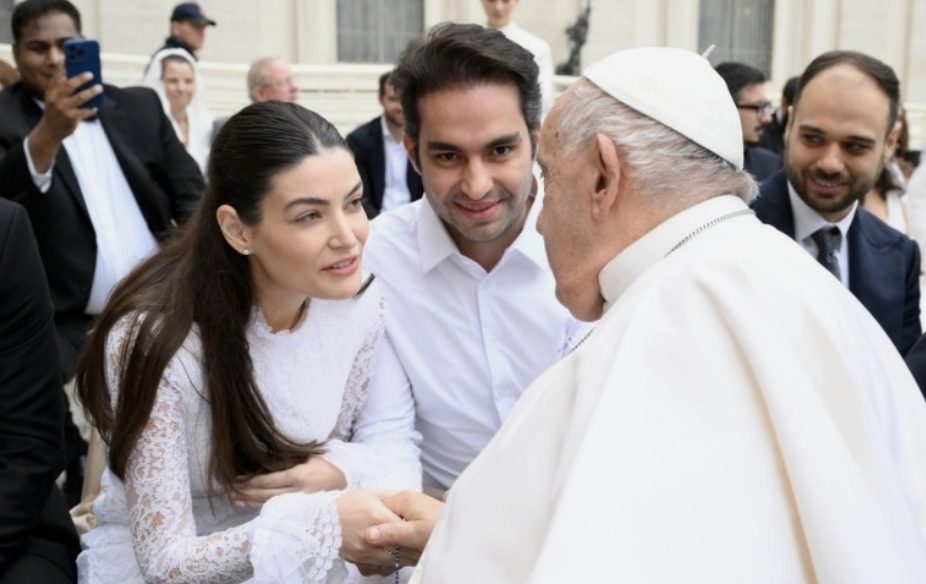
[(826, 239)]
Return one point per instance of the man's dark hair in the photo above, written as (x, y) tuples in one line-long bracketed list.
[(460, 56), (383, 80), (790, 89), (880, 72), (738, 76), (29, 11)]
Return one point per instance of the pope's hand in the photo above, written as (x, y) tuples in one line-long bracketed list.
[(420, 513), (357, 511), (309, 477)]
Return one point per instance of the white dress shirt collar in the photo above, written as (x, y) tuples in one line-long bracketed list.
[(628, 265), (807, 221), (435, 244)]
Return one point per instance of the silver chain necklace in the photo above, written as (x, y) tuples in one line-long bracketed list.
[(684, 240), (707, 226)]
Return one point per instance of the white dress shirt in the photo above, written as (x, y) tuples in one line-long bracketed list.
[(395, 191), (123, 238), (467, 341), (807, 222), (542, 55)]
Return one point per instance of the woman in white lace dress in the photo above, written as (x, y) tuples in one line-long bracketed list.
[(229, 376)]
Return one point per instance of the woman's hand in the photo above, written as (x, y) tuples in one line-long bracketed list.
[(358, 511), (309, 477)]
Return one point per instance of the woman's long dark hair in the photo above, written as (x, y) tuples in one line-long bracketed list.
[(197, 278)]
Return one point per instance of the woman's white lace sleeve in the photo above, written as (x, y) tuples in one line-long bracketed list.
[(375, 442), (296, 538)]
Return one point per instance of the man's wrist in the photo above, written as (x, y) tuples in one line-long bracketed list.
[(42, 148)]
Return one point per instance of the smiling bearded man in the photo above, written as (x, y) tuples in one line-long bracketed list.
[(841, 132)]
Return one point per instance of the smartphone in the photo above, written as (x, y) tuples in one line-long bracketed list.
[(82, 55)]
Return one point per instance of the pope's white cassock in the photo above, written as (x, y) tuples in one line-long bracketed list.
[(736, 416)]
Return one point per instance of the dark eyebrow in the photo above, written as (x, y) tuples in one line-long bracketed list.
[(441, 146), (508, 139), (319, 201), (513, 138), (809, 128), (861, 139)]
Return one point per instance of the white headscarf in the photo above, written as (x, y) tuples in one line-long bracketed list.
[(198, 117)]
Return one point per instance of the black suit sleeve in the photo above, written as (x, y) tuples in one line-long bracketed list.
[(911, 311), (916, 361), (31, 405), (363, 168), (15, 180)]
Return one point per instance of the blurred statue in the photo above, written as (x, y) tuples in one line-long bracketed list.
[(577, 34)]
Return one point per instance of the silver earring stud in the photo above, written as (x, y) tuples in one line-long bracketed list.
[(245, 252)]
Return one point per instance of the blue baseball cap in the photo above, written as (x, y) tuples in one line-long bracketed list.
[(190, 11)]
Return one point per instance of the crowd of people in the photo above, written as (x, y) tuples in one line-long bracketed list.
[(688, 349)]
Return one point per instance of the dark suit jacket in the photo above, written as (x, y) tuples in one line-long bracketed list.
[(773, 136), (33, 518), (366, 142), (761, 163), (884, 264), (916, 361), (164, 179)]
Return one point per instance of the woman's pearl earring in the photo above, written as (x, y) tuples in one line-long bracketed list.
[(245, 252)]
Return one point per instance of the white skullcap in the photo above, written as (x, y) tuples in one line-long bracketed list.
[(680, 90)]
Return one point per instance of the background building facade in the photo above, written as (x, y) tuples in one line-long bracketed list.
[(324, 36)]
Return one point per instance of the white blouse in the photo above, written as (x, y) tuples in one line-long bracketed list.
[(160, 524)]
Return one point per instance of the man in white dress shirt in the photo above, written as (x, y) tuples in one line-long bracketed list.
[(736, 416), (471, 311), (498, 15)]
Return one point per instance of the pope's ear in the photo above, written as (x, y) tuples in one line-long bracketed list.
[(607, 176)]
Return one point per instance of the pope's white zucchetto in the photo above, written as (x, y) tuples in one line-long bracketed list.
[(678, 89)]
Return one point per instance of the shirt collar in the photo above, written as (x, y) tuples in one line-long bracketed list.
[(619, 273), (387, 134), (435, 244), (807, 221)]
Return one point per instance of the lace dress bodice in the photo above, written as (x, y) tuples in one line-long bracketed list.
[(161, 523)]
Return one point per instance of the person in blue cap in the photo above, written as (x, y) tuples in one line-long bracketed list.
[(187, 28)]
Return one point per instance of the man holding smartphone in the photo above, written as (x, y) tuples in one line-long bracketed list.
[(100, 186)]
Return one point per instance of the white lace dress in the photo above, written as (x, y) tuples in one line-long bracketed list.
[(160, 525)]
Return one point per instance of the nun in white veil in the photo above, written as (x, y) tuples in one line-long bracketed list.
[(175, 78)]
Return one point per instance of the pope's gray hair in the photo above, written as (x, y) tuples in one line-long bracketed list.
[(657, 160)]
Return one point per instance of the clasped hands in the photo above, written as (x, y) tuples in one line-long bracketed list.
[(373, 523)]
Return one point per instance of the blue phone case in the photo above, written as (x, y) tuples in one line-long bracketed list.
[(84, 55)]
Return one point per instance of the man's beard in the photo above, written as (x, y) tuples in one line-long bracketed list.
[(856, 188)]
